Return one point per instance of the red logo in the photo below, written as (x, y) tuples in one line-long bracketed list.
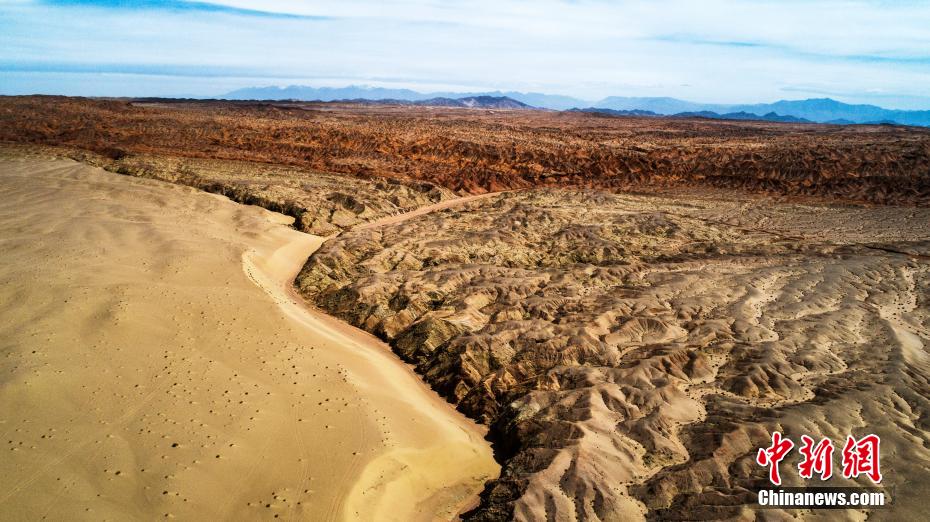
[(817, 459), (774, 454), (860, 457)]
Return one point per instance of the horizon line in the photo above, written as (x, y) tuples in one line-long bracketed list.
[(915, 103)]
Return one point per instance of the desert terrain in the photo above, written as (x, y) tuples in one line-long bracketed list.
[(631, 353), (155, 365), (630, 306), (474, 151)]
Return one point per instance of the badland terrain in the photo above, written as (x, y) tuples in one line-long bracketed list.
[(630, 305)]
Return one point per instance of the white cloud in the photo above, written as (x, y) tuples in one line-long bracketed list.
[(748, 50)]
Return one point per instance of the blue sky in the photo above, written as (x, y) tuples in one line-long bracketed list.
[(715, 51)]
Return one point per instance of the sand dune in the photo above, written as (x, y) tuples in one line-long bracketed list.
[(153, 364)]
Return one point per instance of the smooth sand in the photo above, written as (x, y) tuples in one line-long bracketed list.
[(154, 363)]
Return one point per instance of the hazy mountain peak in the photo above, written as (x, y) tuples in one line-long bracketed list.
[(365, 92), (821, 110)]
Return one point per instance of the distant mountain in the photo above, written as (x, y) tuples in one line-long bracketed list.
[(665, 106), (771, 116), (742, 115), (545, 101), (355, 92), (471, 102), (612, 112), (304, 93), (821, 110), (826, 109), (489, 102), (712, 115), (475, 102)]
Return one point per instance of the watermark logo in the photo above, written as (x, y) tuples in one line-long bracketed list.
[(817, 459), (859, 457), (773, 455)]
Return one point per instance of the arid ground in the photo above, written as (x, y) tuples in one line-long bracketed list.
[(155, 365), (631, 353), (630, 306), (473, 151)]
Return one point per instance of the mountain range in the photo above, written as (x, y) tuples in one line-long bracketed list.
[(471, 102), (770, 116), (819, 110), (357, 92)]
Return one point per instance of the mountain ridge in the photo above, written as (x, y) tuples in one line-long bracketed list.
[(817, 110), (468, 102), (357, 92)]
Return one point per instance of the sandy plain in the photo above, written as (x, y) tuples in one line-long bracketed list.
[(155, 364)]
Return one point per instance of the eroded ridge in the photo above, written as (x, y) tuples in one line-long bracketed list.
[(631, 354)]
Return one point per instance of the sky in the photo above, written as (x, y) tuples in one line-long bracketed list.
[(736, 51)]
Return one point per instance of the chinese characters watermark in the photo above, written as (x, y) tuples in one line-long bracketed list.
[(859, 457)]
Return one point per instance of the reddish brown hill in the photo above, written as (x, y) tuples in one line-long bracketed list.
[(478, 150)]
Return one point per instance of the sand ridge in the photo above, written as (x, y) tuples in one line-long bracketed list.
[(153, 362)]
